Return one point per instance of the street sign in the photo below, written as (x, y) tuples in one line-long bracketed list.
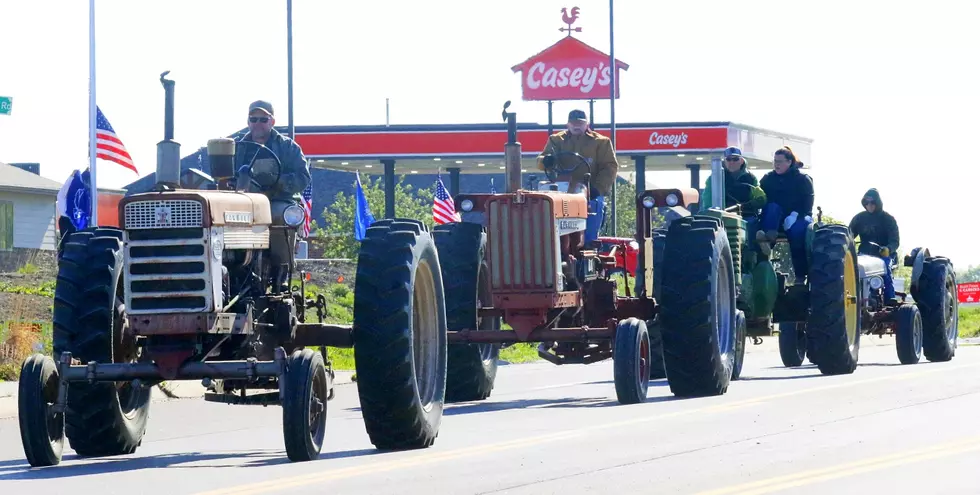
[(6, 104), (968, 293)]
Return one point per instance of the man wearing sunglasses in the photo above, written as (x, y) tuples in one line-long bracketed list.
[(876, 225), (293, 177), (741, 188)]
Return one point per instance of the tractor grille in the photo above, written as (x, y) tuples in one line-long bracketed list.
[(164, 214), (523, 247), (736, 244), (167, 271)]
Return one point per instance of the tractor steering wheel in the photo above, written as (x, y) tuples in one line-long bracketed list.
[(557, 169), (264, 173)]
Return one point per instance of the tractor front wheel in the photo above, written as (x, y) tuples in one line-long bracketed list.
[(908, 334), (400, 335), (304, 409), (631, 361), (42, 431)]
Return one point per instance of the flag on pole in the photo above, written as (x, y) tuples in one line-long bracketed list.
[(308, 206), (362, 211), (107, 144), (443, 207), (73, 200)]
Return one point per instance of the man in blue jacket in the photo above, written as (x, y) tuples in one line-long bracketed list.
[(789, 207), (293, 177)]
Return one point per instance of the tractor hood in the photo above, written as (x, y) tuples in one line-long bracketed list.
[(194, 208), (870, 266)]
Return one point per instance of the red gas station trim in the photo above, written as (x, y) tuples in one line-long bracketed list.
[(449, 143)]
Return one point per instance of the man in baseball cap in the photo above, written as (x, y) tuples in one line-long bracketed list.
[(294, 175), (598, 152)]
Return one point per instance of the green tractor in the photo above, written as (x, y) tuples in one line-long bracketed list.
[(822, 319)]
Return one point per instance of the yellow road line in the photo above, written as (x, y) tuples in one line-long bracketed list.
[(849, 469), (430, 457)]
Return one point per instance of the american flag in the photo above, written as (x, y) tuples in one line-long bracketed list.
[(107, 144), (443, 208), (308, 206)]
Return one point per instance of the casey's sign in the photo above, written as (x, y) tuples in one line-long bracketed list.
[(568, 70)]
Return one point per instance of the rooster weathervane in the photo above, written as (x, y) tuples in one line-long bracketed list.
[(569, 20)]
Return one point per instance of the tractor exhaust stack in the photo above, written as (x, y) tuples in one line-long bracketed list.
[(168, 150), (512, 152)]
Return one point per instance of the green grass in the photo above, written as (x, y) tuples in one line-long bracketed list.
[(969, 322)]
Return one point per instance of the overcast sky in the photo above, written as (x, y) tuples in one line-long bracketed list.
[(887, 89)]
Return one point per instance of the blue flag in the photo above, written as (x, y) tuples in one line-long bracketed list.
[(74, 200), (362, 212)]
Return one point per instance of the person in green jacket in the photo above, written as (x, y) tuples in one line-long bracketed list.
[(741, 188)]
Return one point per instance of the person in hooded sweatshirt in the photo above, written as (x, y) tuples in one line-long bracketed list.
[(876, 225), (789, 208), (741, 188)]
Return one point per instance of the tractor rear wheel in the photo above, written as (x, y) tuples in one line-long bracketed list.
[(938, 303), (472, 368), (698, 307), (400, 335), (833, 327), (908, 334), (102, 418)]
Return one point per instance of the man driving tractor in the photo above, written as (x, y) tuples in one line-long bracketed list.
[(293, 179), (876, 225), (601, 157), (741, 188)]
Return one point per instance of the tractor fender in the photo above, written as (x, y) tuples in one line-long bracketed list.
[(916, 259)]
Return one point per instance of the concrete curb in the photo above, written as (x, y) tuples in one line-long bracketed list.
[(166, 391)]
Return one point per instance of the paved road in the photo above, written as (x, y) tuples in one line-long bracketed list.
[(885, 429)]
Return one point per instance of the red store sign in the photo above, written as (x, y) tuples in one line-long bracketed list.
[(968, 293), (568, 70)]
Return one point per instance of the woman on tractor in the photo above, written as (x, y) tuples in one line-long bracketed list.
[(788, 208)]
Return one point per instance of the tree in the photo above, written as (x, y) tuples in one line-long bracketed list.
[(337, 235), (625, 212)]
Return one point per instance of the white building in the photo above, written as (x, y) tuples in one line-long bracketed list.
[(27, 210)]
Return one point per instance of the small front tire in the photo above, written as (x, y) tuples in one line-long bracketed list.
[(304, 408), (42, 431), (631, 361)]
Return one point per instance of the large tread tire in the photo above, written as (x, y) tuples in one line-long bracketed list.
[(103, 418), (698, 283), (41, 432), (304, 409), (472, 368), (834, 324), (400, 335), (938, 303), (908, 334), (792, 343), (657, 368), (631, 361)]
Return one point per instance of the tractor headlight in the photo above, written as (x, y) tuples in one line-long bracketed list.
[(647, 202), (294, 216), (671, 199), (876, 282), (466, 205)]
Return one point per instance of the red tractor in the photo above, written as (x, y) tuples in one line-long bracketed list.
[(622, 249), (527, 264)]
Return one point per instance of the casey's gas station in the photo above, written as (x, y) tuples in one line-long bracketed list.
[(567, 70)]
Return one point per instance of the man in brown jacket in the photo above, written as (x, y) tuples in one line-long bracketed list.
[(598, 151), (596, 148)]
